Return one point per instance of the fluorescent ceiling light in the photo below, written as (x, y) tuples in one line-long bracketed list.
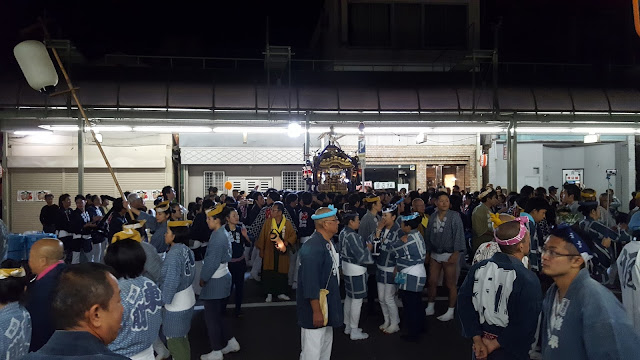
[(603, 130), (249, 130), (112, 128), (469, 130), (59, 127), (542, 130), (590, 139), (32, 132), (173, 129)]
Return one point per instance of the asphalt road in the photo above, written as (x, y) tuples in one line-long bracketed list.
[(270, 332)]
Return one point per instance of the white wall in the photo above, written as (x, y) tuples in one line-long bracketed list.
[(196, 178), (551, 159), (60, 150), (531, 167), (283, 141)]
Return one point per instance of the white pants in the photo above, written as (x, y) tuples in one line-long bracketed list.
[(386, 296), (316, 343), (75, 257), (97, 252), (146, 354), (158, 347), (103, 250), (352, 309), (196, 279), (256, 264)]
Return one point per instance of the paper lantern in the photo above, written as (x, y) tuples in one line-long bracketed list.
[(228, 185), (36, 65)]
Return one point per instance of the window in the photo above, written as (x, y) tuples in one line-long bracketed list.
[(213, 178), (445, 26), (369, 25), (407, 25), (292, 180)]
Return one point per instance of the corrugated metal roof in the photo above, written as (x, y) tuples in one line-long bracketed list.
[(202, 95)]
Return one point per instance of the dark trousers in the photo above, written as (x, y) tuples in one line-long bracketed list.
[(372, 287), (217, 326), (237, 270), (413, 313)]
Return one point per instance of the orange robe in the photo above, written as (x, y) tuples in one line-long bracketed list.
[(267, 247)]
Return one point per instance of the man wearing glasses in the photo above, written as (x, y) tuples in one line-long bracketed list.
[(319, 261), (581, 319), (499, 301)]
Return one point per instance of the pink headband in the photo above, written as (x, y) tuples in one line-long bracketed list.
[(523, 220)]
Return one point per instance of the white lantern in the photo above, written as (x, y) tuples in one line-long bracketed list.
[(36, 65)]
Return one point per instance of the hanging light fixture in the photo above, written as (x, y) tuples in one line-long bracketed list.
[(294, 130), (36, 65)]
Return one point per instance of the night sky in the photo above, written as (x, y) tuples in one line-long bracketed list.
[(585, 31)]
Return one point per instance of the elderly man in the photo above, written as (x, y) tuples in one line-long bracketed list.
[(45, 261), (88, 313), (276, 237), (318, 270), (417, 205)]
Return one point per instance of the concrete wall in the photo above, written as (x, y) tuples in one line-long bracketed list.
[(552, 159)]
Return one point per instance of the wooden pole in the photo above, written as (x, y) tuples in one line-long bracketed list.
[(88, 125)]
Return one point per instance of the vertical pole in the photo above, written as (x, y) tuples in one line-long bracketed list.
[(478, 162), (307, 138), (514, 159), (268, 57), (631, 165), (6, 191), (496, 102), (80, 156), (508, 145)]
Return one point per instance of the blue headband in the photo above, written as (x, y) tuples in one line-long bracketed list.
[(390, 208), (577, 241), (333, 212), (415, 215)]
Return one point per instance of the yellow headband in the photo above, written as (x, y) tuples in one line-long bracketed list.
[(499, 219), (372, 200), (216, 210), (15, 272), (485, 193), (126, 234), (588, 194), (137, 225), (163, 206), (179, 223)]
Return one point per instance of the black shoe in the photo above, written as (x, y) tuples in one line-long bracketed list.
[(239, 313)]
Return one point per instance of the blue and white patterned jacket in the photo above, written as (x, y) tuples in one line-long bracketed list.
[(218, 252), (15, 331), (142, 316)]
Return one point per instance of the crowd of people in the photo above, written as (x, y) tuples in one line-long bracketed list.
[(147, 267)]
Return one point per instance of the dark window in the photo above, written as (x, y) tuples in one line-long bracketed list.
[(369, 25), (445, 26), (407, 26)]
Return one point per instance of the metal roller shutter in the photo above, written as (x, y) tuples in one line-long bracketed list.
[(25, 215)]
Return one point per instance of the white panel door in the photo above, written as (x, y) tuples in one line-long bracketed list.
[(249, 183)]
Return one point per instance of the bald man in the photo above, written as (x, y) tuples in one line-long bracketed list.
[(45, 261), (319, 270), (417, 205)]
